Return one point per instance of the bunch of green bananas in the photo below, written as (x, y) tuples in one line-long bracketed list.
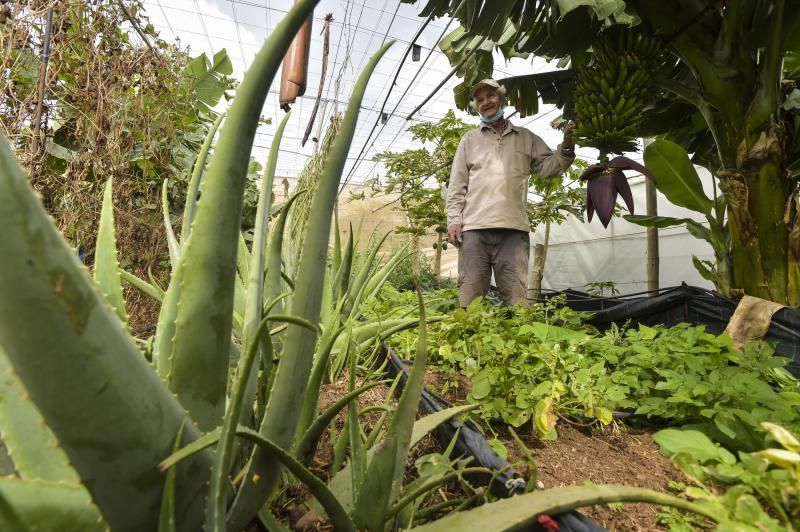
[(613, 88)]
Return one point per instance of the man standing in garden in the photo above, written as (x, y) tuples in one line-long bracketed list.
[(487, 215)]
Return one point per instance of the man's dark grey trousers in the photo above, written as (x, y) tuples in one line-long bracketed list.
[(504, 251)]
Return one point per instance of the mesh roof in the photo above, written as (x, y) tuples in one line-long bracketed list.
[(358, 29)]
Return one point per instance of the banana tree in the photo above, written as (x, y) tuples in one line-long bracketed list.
[(676, 178), (727, 95)]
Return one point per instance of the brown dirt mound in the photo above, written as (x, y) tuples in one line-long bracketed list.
[(614, 455)]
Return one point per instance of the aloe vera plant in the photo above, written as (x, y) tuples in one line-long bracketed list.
[(291, 379), (111, 414)]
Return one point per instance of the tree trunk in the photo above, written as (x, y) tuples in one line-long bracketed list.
[(758, 193), (415, 267), (546, 244)]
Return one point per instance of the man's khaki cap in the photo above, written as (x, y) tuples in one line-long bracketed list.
[(488, 82)]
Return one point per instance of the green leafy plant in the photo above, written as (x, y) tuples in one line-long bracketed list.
[(525, 369), (419, 177), (677, 179), (748, 491), (599, 288)]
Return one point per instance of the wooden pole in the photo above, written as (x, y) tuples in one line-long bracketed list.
[(652, 235), (37, 118)]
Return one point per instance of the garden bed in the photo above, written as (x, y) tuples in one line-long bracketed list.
[(617, 454)]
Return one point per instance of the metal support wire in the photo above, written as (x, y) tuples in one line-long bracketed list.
[(388, 93)]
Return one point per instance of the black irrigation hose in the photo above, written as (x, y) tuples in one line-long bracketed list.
[(505, 482)]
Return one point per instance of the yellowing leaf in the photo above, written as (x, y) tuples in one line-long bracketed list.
[(780, 457), (782, 436), (545, 418), (603, 414)]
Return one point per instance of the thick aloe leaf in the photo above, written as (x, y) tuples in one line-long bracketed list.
[(325, 345), (150, 289), (309, 441), (272, 284), (355, 289), (342, 279), (166, 517), (190, 208), (109, 411), (676, 177), (255, 284), (375, 282), (425, 425), (522, 510), (243, 260), (341, 483), (47, 505), (291, 381), (327, 499), (198, 371), (105, 260), (29, 442), (215, 514), (386, 470), (172, 241)]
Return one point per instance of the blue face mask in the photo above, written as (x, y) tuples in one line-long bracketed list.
[(497, 116)]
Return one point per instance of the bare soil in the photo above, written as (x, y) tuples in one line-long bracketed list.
[(612, 455)]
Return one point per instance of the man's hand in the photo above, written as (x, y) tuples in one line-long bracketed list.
[(454, 235), (568, 143)]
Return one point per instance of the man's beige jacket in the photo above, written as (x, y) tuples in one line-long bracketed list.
[(489, 178)]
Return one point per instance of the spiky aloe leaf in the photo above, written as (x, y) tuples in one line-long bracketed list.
[(341, 280), (215, 513), (291, 381), (172, 241), (341, 485), (198, 371), (331, 505), (48, 505), (376, 281), (109, 411), (362, 275), (517, 512), (312, 435), (272, 284), (255, 284), (166, 517), (243, 260), (386, 469), (190, 207), (105, 262), (29, 442), (150, 289)]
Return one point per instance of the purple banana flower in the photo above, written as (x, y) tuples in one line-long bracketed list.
[(606, 180)]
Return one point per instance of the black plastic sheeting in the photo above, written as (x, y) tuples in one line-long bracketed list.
[(688, 304), (471, 442)]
